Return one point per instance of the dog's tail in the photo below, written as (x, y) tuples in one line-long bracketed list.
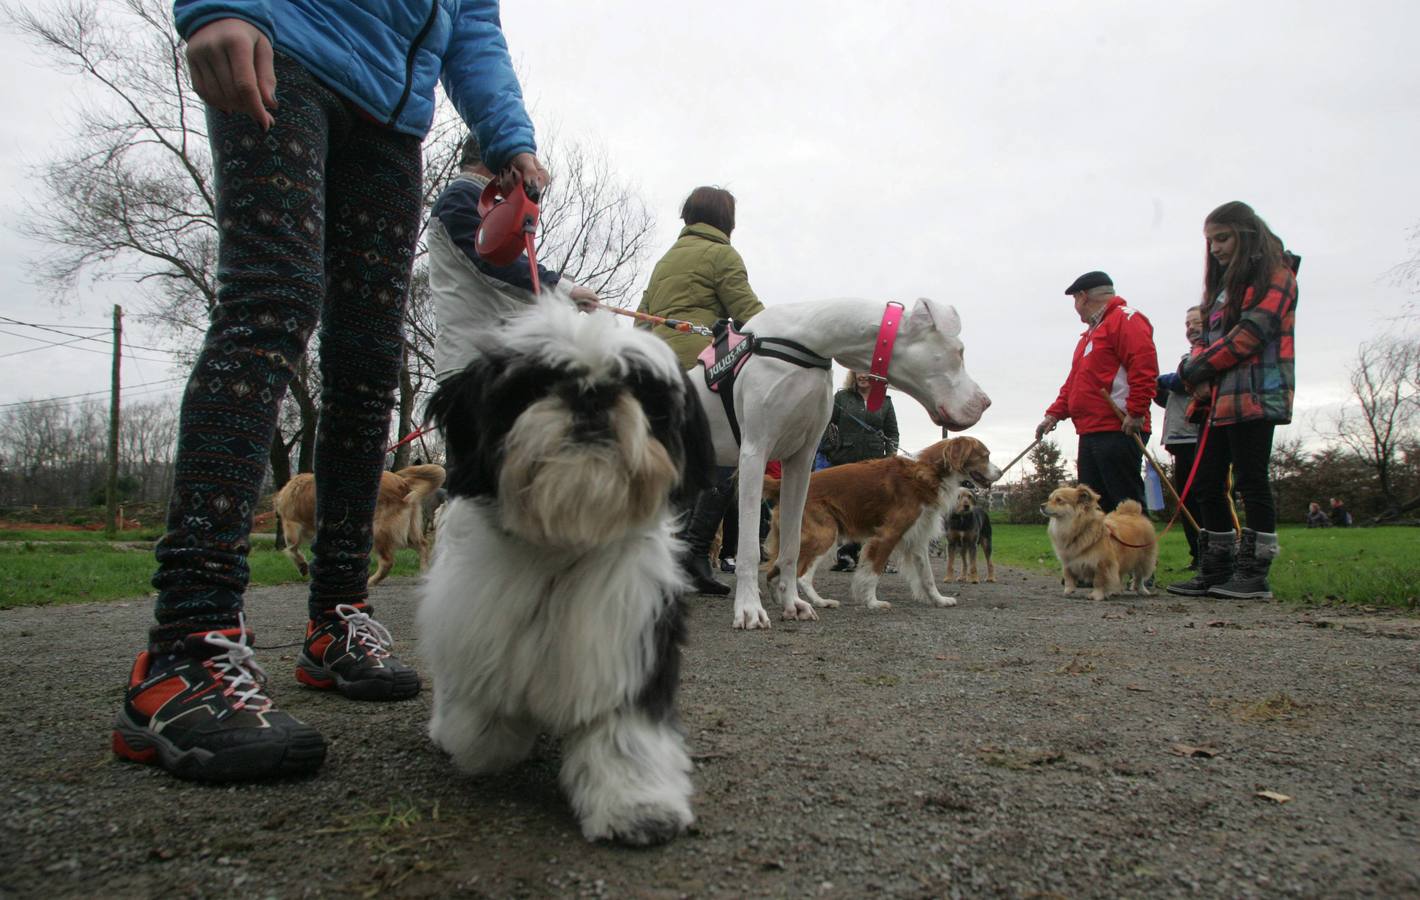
[(1129, 508), (423, 480), (771, 489)]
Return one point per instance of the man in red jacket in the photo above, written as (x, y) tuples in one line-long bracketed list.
[(1115, 356)]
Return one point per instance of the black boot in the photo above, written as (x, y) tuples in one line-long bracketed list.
[(1215, 552), (699, 533), (1249, 581)]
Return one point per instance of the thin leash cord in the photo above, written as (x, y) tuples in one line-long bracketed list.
[(676, 324), (887, 441)]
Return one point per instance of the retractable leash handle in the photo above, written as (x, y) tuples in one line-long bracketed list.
[(509, 227)]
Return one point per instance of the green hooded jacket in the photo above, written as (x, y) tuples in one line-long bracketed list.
[(700, 279)]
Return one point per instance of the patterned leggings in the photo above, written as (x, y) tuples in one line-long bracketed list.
[(317, 221)]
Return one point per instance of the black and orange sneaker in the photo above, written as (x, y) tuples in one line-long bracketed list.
[(204, 717), (351, 654)]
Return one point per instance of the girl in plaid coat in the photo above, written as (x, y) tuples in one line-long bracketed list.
[(1242, 375)]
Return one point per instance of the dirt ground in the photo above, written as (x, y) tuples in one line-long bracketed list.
[(1019, 745)]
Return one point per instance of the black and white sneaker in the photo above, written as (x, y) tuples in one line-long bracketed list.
[(351, 653), (201, 714)]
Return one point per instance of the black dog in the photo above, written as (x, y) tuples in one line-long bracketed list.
[(968, 526)]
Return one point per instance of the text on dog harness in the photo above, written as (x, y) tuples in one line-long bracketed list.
[(731, 349)]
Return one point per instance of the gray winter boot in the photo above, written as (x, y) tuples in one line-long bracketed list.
[(1215, 564), (1249, 581)]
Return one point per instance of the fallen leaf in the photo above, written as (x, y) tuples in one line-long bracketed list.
[(1273, 796), (1135, 687), (1202, 751), (1223, 623)]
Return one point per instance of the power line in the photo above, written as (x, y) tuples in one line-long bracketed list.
[(45, 345), (75, 339), (125, 388), (82, 337)]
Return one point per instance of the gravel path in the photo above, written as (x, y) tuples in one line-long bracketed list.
[(1019, 745)]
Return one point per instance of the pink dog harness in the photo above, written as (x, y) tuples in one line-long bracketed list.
[(732, 348)]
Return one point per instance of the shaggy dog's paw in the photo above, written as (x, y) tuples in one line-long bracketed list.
[(826, 603), (641, 825), (878, 604), (945, 601)]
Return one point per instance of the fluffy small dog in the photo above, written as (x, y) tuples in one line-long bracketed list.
[(554, 600), (1102, 549), (891, 505), (399, 517), (968, 527)]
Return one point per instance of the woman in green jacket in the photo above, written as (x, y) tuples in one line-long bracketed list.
[(702, 279)]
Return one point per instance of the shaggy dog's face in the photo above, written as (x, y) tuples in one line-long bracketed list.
[(965, 503), (1067, 502), (577, 436)]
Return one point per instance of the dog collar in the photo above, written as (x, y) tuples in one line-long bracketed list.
[(882, 354)]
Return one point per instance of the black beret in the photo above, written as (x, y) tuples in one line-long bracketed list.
[(1089, 281)]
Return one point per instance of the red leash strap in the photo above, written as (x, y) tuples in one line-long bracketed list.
[(530, 235), (1121, 540), (406, 439), (1192, 470), (882, 354)]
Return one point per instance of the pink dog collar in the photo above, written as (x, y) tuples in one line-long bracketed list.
[(882, 354)]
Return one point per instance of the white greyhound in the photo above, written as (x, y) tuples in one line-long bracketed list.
[(784, 408)]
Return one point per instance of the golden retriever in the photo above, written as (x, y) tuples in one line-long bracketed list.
[(399, 519), (886, 504), (1102, 549)]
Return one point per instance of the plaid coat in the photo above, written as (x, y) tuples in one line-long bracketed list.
[(1252, 364)]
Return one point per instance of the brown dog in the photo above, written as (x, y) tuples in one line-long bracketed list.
[(968, 528), (886, 504), (399, 519), (1102, 549)]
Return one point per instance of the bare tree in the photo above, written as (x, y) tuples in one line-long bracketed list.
[(132, 198), (1383, 382)]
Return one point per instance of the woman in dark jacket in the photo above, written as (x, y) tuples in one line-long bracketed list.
[(1243, 369), (855, 434)]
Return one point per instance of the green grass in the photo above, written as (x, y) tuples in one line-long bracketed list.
[(34, 534), (77, 572), (1363, 566)]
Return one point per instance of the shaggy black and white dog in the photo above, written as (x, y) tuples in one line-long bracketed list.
[(554, 600)]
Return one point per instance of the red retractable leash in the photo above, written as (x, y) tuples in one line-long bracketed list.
[(508, 230), (509, 227)]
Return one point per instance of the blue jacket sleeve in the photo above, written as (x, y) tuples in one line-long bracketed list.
[(479, 78), (457, 210), (191, 15)]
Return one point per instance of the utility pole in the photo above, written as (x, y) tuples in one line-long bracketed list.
[(111, 494)]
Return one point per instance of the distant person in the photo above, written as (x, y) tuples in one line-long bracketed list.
[(855, 434), (1180, 436), (1316, 516), (1340, 515), (316, 128), (702, 279), (1115, 356), (1242, 376), (471, 294)]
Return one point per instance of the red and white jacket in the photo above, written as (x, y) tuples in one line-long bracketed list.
[(1116, 353)]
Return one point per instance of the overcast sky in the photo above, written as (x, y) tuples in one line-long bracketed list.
[(982, 153)]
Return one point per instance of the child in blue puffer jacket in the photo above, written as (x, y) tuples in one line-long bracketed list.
[(316, 112)]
